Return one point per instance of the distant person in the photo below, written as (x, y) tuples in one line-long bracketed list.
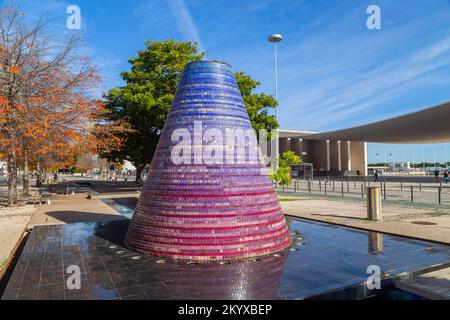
[(436, 174), (375, 176), (446, 178)]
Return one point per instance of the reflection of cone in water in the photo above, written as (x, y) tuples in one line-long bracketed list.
[(193, 210), (239, 280)]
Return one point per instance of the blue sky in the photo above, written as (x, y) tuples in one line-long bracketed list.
[(334, 72)]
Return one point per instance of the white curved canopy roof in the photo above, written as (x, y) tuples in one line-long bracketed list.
[(430, 125)]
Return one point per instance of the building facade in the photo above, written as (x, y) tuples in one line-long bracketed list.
[(327, 157)]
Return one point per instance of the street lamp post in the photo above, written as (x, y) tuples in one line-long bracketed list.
[(275, 38)]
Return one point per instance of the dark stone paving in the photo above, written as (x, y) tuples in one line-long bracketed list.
[(327, 258)]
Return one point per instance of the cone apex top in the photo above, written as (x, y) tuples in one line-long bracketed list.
[(217, 62)]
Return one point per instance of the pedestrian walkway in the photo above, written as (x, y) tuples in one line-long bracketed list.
[(13, 223), (63, 209), (430, 224), (73, 209), (434, 285)]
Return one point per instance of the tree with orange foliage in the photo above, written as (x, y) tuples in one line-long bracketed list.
[(46, 112)]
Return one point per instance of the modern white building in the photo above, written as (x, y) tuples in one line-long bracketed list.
[(344, 151)]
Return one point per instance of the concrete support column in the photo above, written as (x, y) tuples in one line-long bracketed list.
[(328, 155), (359, 157), (339, 156), (349, 156), (365, 158)]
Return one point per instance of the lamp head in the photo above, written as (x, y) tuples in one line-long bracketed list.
[(275, 37)]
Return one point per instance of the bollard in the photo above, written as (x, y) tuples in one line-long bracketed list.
[(439, 195), (333, 187), (362, 191), (342, 188), (412, 194), (384, 193), (373, 204), (325, 189), (348, 187), (401, 185), (309, 186), (320, 184), (420, 185)]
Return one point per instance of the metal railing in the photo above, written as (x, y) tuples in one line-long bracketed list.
[(435, 193)]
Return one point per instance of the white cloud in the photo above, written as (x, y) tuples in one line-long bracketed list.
[(184, 21)]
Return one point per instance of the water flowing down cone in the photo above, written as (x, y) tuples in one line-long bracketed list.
[(205, 200)]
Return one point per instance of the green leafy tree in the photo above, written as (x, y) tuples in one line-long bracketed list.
[(288, 159), (143, 103)]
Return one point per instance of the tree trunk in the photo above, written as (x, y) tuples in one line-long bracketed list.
[(25, 182), (46, 178), (12, 177), (38, 174), (139, 174)]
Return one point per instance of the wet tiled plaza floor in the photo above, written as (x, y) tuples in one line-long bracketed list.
[(323, 258)]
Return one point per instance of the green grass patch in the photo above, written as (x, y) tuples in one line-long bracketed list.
[(289, 199)]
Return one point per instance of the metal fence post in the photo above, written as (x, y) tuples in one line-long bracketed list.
[(342, 188), (362, 190), (384, 193), (309, 186), (320, 184), (325, 189), (412, 194), (439, 195), (295, 185)]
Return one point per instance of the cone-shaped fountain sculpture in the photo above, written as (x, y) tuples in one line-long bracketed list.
[(205, 200)]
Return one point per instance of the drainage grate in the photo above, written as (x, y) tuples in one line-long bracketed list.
[(424, 223)]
